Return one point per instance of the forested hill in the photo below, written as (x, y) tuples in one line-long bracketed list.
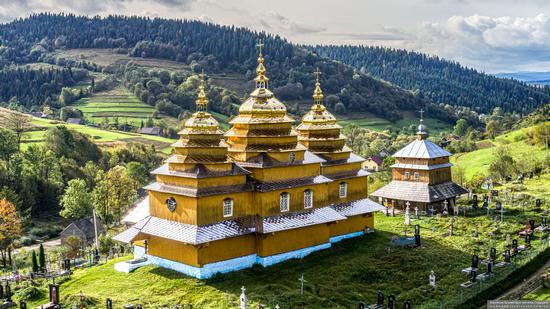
[(440, 80), (212, 48)]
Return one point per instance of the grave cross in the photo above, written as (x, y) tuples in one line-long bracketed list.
[(407, 214), (302, 280), (416, 213), (243, 304), (476, 234), (445, 207), (432, 279)]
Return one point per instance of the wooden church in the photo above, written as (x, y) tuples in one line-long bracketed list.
[(261, 193), (421, 176)]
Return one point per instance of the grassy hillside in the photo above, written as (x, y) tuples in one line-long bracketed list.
[(106, 138), (339, 277), (372, 122), (477, 162)]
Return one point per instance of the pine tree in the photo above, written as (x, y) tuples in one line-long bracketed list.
[(34, 262), (42, 258)]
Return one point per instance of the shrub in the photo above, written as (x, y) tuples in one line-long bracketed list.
[(30, 293)]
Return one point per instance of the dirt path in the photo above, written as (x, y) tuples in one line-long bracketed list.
[(539, 272), (47, 245)]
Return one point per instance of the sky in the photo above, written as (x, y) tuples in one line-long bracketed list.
[(489, 35)]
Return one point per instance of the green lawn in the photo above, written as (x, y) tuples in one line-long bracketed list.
[(541, 293), (373, 122), (477, 162)]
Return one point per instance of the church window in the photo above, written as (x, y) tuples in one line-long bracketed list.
[(292, 157), (407, 175), (343, 192), (416, 176), (308, 198), (227, 207), (285, 201)]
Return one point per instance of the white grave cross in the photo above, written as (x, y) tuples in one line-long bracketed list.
[(432, 279), (243, 299), (408, 214)]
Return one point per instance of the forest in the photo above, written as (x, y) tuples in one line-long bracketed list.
[(213, 48), (439, 80)]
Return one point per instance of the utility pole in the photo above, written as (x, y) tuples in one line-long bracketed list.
[(95, 230)]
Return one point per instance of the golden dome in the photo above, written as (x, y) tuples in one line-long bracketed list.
[(201, 120), (318, 116)]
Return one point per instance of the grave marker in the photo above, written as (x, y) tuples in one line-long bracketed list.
[(489, 268), (8, 292), (476, 234), (475, 262), (391, 301), (362, 305), (407, 214), (417, 235), (416, 216), (380, 298), (473, 275), (507, 256), (485, 201), (1, 290), (54, 294), (475, 202), (407, 305), (514, 246), (109, 304), (243, 300), (538, 204), (493, 254), (432, 279), (22, 304)]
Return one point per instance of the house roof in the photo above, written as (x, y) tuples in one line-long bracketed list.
[(419, 191), (149, 130), (422, 149), (74, 120), (186, 233), (375, 159), (86, 226)]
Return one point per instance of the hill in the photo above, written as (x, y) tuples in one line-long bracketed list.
[(216, 49), (439, 80)]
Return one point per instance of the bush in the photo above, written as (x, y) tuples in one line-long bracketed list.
[(30, 293), (49, 231)]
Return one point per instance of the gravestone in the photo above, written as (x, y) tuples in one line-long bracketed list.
[(475, 202), (498, 205), (22, 304), (532, 224), (417, 235), (507, 239), (416, 216), (391, 301), (476, 234), (493, 254), (146, 246), (514, 246), (485, 201), (8, 292), (475, 261), (527, 241), (109, 303), (494, 193), (54, 294), (507, 255), (445, 207), (543, 222), (380, 298), (473, 275), (362, 305), (489, 268), (67, 264), (538, 204), (407, 305), (432, 279)]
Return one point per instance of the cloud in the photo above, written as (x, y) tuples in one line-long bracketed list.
[(278, 21), (488, 42)]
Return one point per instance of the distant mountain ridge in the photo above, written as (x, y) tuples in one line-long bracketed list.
[(532, 78), (440, 80)]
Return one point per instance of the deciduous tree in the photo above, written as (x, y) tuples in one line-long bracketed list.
[(76, 201)]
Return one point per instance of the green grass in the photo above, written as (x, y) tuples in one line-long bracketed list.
[(373, 122), (477, 162), (539, 294)]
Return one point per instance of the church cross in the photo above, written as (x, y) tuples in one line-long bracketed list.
[(421, 114), (260, 45), (317, 74)]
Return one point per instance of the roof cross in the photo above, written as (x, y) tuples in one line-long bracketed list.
[(317, 74), (421, 115), (260, 45)]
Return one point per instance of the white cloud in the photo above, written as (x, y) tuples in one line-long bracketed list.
[(490, 43)]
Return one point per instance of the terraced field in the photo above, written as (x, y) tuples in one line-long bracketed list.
[(118, 103)]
